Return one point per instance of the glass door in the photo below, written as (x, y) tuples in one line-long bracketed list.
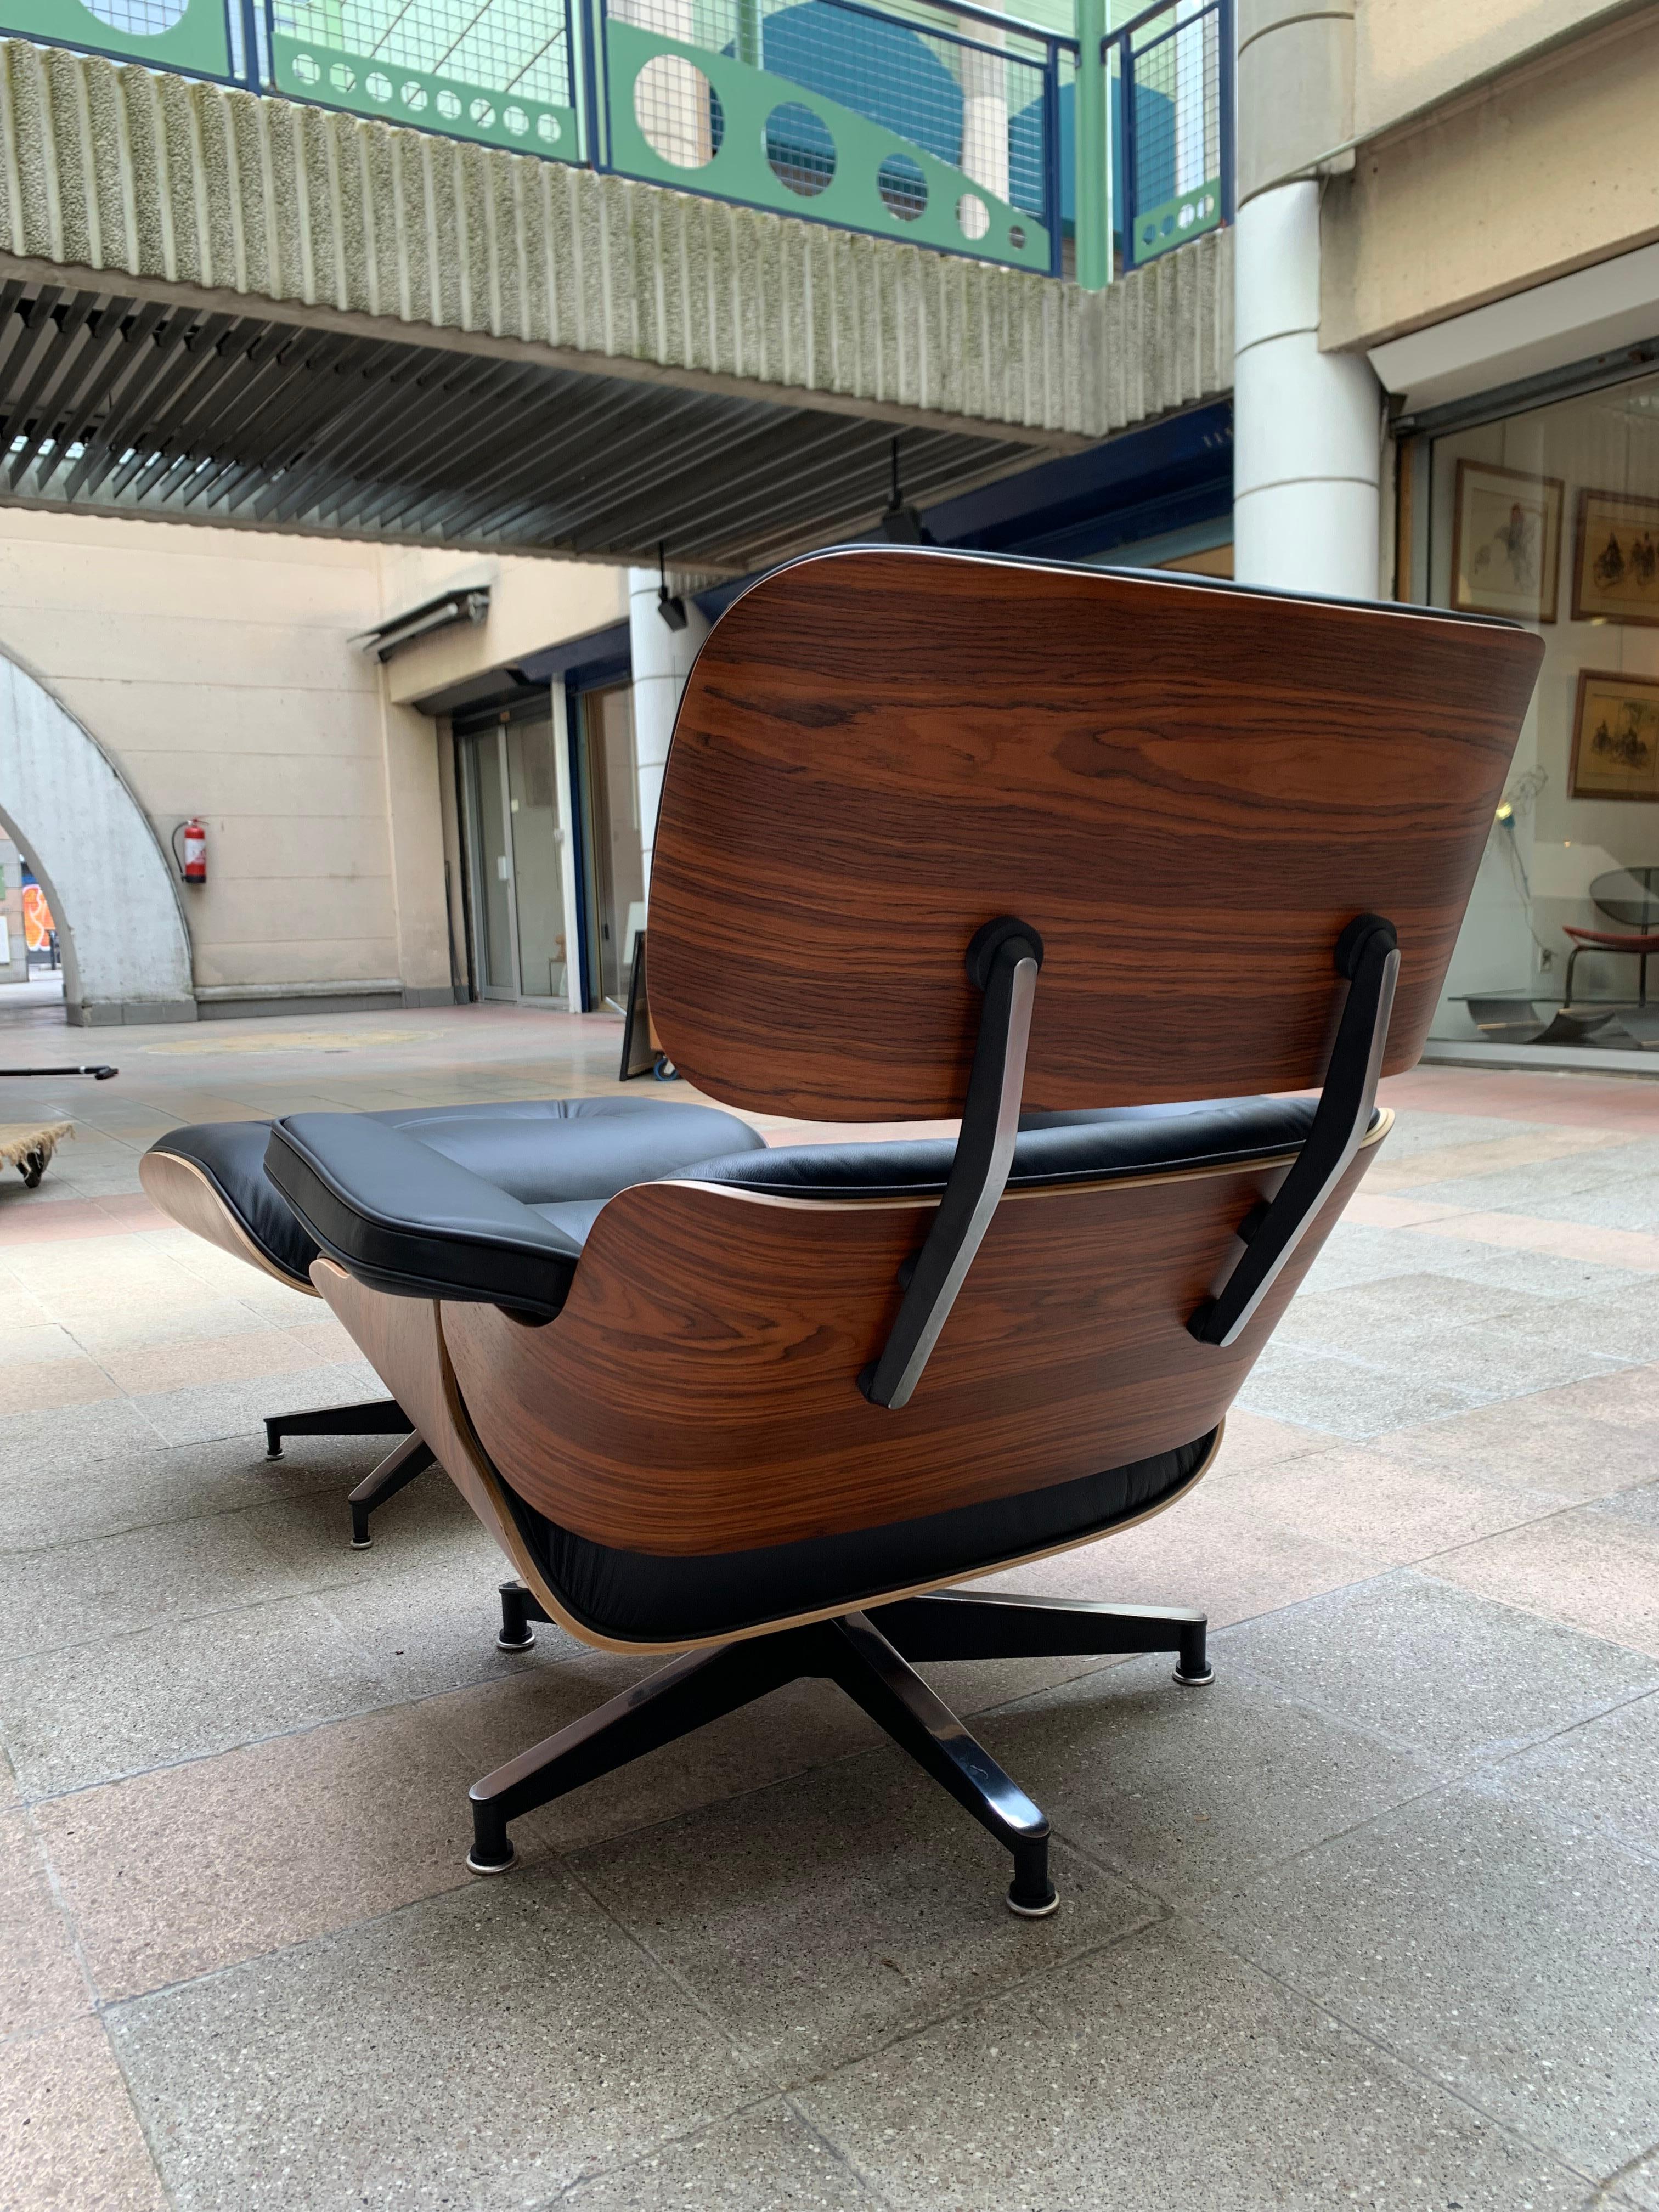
[(617, 906), (489, 863), (515, 850)]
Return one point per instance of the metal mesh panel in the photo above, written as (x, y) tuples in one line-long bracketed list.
[(1172, 86), (142, 18), (975, 99), (504, 45)]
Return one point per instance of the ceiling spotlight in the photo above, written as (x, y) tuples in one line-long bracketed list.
[(671, 610)]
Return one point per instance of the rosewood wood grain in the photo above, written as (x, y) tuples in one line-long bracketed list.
[(698, 1393), (181, 1189), (1188, 790)]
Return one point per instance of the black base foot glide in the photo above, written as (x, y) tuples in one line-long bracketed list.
[(375, 1417), (395, 1472), (520, 1607), (867, 1654)]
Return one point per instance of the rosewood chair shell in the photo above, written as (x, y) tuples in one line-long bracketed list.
[(949, 834)]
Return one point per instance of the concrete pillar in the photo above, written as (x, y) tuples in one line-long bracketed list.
[(1307, 425), (662, 659)]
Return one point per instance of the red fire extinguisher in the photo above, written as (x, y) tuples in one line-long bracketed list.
[(192, 864)]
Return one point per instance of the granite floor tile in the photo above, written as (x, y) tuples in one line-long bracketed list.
[(1163, 2072), (820, 1917), (1508, 1960), (310, 1535), (275, 1357), (1486, 1361), (1319, 1391), (41, 1984), (193, 1414), (1591, 1566), (807, 1724), (84, 1593), (1383, 1508), (1540, 1443), (65, 1437), (76, 1498), (1352, 1319), (1602, 1775), (1184, 1788), (483, 2049), (304, 1834), (1449, 1676), (1252, 1440), (430, 1626), (1629, 1400), (135, 1324), (92, 1712), (767, 2160), (1617, 1326), (26, 1387), (69, 2140)]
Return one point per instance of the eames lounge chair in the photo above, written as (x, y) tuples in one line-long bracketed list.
[(211, 1177), (941, 834)]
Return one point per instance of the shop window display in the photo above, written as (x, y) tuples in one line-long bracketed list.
[(1551, 517)]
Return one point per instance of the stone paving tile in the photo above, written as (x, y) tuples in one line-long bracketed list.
[(767, 2160), (137, 1325), (1594, 1566), (486, 2049), (27, 1387), (1602, 1775), (85, 1594), (118, 1705), (1628, 1399), (1184, 1788), (244, 1355), (1387, 1510), (1448, 1675), (79, 1496), (1506, 1958), (805, 1725), (41, 1984), (1319, 1391), (1350, 1319), (1162, 2072), (1618, 1326), (822, 1917), (431, 1627), (60, 1440), (195, 1413), (1252, 1440), (303, 1834), (1540, 1443), (69, 2136)]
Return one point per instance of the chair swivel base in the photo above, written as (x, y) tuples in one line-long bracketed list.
[(394, 1473), (868, 1654), (372, 1417)]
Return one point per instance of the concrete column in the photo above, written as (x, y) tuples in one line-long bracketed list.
[(662, 659), (1307, 425)]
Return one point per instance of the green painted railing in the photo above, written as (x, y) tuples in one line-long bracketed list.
[(935, 121)]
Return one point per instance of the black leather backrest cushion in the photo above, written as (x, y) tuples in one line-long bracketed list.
[(1051, 1148), (232, 1155)]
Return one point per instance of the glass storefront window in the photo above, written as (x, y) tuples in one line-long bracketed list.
[(1552, 517)]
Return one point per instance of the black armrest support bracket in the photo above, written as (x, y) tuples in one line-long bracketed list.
[(1368, 955), (1003, 961)]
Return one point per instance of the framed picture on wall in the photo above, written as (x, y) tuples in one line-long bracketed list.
[(1615, 568), (1506, 542), (1615, 736)]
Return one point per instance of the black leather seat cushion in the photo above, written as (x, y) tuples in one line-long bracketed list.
[(581, 1150), (488, 1204), (644, 1599)]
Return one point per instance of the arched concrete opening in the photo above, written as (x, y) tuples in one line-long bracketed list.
[(125, 950)]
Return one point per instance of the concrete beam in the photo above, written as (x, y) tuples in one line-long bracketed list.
[(157, 184)]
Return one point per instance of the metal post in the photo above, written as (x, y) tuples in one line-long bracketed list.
[(1093, 137), (748, 33)]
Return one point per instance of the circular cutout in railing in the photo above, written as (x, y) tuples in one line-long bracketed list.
[(1016, 236), (378, 85), (413, 96), (342, 78), (902, 187), (800, 148), (973, 217), (678, 112), (306, 68), (547, 128), (481, 113), (141, 18), (448, 105), (515, 120)]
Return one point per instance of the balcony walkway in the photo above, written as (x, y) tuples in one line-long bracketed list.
[(227, 308), (1373, 1921)]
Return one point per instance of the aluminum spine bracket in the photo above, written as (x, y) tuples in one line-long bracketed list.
[(1368, 955), (1003, 961)]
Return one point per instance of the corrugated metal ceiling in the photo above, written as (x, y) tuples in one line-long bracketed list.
[(118, 405)]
